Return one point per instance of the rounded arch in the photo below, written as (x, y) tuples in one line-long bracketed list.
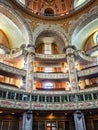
[(19, 30), (49, 11), (4, 39), (88, 24), (51, 29), (79, 2)]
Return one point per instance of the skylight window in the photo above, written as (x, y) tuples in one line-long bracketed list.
[(47, 49)]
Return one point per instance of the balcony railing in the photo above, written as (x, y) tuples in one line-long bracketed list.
[(50, 57), (36, 100), (52, 76), (88, 72), (12, 70)]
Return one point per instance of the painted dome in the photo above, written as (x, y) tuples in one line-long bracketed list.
[(52, 7)]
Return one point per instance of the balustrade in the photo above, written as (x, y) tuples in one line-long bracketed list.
[(88, 72), (51, 75), (12, 70), (51, 57), (23, 100)]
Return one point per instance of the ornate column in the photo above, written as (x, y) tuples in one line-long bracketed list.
[(27, 120), (71, 68), (79, 121), (29, 62)]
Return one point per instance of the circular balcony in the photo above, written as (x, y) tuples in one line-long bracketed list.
[(38, 100)]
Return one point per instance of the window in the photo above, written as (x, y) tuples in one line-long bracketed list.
[(22, 1), (48, 85), (48, 69), (79, 2), (97, 39), (49, 12), (47, 49)]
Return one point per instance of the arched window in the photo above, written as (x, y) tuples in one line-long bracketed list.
[(22, 1), (79, 2), (48, 12), (97, 38)]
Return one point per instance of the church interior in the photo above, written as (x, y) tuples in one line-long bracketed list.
[(48, 65)]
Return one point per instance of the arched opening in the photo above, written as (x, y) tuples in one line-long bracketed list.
[(3, 39), (49, 11)]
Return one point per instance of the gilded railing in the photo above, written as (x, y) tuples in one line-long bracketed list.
[(55, 76), (36, 100), (12, 70)]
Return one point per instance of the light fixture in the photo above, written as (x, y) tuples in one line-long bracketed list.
[(12, 113)]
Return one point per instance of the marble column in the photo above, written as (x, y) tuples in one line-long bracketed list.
[(71, 68), (28, 65), (79, 121), (27, 121)]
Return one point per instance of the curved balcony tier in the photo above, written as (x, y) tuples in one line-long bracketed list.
[(92, 71), (17, 99), (51, 76), (45, 57), (11, 56), (11, 71)]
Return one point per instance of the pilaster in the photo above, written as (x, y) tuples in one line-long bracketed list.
[(29, 62), (71, 68)]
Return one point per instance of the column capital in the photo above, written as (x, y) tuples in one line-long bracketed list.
[(71, 47), (29, 49)]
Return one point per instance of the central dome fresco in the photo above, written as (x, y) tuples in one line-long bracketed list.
[(52, 7)]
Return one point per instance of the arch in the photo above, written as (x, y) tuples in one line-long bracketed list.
[(20, 31), (49, 11), (3, 39), (88, 24), (79, 2), (56, 29)]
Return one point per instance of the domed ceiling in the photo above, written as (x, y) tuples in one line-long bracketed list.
[(52, 7)]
